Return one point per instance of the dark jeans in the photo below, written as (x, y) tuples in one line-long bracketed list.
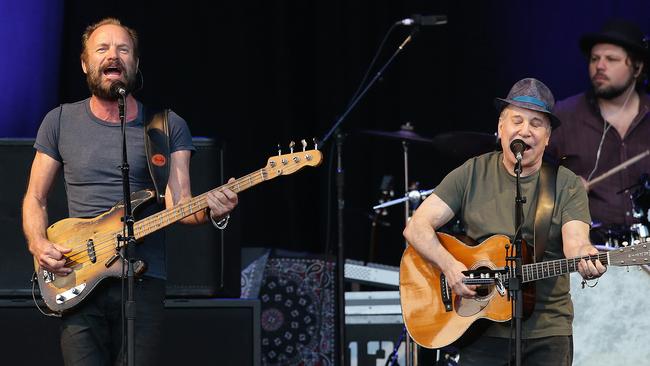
[(91, 334), (548, 351)]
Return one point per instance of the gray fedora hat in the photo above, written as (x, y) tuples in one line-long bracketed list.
[(530, 94)]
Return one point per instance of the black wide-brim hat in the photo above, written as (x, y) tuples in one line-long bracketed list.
[(621, 33), (530, 94)]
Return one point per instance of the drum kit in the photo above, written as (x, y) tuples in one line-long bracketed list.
[(610, 319), (463, 145), (608, 237), (460, 145)]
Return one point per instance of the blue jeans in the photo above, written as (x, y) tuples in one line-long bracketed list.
[(91, 334), (548, 351)]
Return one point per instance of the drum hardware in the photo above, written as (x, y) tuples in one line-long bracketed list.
[(640, 198), (415, 196), (615, 236), (405, 133), (386, 192), (638, 234), (617, 168), (459, 144), (463, 145)]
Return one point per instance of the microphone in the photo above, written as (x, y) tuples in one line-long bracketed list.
[(118, 89), (421, 20), (518, 146)]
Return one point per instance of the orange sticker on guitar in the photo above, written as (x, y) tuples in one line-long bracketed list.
[(158, 160)]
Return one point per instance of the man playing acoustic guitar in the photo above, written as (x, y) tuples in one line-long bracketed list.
[(481, 192)]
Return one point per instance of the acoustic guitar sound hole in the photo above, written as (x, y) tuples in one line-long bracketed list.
[(482, 291)]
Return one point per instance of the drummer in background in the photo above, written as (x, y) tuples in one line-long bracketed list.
[(609, 123)]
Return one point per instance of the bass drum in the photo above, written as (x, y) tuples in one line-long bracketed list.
[(612, 319), (641, 199), (610, 236)]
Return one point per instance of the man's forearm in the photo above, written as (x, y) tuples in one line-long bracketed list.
[(35, 219)]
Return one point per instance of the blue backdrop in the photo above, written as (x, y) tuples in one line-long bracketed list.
[(30, 35)]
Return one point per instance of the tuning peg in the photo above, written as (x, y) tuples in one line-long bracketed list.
[(304, 144), (279, 150), (292, 144), (315, 143)]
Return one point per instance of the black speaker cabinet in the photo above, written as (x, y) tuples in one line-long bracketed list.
[(199, 262), (203, 261), (30, 338), (212, 332), (16, 262), (197, 332)]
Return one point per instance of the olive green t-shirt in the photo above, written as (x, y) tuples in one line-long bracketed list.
[(482, 194)]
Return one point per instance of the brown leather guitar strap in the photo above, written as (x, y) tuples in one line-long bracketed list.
[(545, 205), (156, 144)]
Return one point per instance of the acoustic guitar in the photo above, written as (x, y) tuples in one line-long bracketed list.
[(95, 242), (436, 317)]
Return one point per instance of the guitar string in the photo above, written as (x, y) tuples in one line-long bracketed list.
[(533, 269), (140, 226), (146, 224), (287, 169), (172, 211), (537, 270), (107, 241)]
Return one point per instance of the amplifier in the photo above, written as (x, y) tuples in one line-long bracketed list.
[(212, 332), (373, 307), (372, 273), (373, 326), (197, 332), (16, 262)]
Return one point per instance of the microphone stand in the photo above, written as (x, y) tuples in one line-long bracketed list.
[(340, 259), (126, 250), (515, 262)]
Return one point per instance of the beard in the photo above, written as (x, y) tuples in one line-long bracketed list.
[(613, 91), (94, 81)]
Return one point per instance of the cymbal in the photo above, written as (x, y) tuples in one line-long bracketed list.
[(465, 144), (402, 135)]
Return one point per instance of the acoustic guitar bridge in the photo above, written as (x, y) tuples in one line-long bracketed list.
[(445, 292)]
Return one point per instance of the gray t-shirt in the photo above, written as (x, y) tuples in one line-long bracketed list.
[(91, 152), (482, 193)]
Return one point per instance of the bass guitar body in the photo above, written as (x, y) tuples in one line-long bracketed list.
[(94, 243)]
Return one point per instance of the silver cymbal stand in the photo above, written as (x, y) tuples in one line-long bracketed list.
[(411, 349), (415, 195)]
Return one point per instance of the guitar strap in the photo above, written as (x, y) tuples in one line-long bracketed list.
[(156, 145), (545, 205)]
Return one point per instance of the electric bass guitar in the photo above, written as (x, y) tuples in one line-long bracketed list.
[(95, 242), (436, 317)]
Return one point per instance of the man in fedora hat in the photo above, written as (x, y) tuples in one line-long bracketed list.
[(482, 193), (611, 120)]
